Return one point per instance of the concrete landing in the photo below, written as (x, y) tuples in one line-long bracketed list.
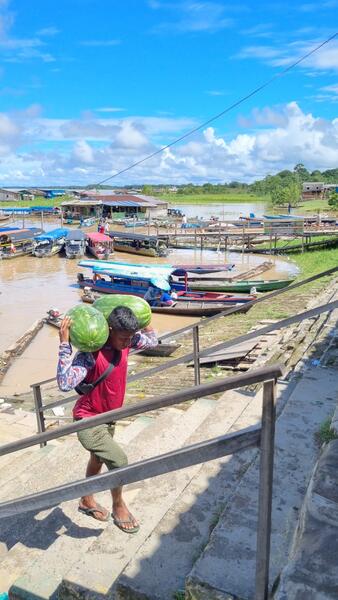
[(231, 552)]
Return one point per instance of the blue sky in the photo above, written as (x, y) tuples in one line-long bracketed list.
[(89, 87)]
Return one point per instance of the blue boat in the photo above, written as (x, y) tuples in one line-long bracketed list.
[(185, 302), (50, 243), (15, 210)]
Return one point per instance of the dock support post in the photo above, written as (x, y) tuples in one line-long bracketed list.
[(38, 411), (265, 491), (196, 343)]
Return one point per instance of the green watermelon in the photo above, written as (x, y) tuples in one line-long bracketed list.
[(138, 306), (89, 329)]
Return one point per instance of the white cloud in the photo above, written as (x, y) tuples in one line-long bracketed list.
[(14, 49), (48, 31), (109, 109), (326, 58), (194, 17), (82, 152), (215, 93), (39, 150)]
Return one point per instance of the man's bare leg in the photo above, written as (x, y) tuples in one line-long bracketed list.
[(120, 510), (93, 468)]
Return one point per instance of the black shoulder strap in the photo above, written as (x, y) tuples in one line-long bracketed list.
[(85, 388), (104, 375)]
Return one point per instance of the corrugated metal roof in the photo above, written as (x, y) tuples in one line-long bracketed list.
[(123, 203)]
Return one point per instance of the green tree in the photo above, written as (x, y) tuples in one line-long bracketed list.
[(301, 172), (281, 196), (147, 190), (333, 200)]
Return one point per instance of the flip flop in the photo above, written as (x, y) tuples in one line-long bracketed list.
[(96, 509), (122, 524)]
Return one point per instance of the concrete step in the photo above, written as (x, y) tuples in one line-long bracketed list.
[(160, 566), (169, 430), (28, 474), (171, 540), (226, 568)]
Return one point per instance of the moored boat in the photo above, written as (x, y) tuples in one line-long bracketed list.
[(17, 242), (75, 243), (198, 309), (100, 245), (108, 282), (204, 269), (133, 243), (50, 243), (242, 286)]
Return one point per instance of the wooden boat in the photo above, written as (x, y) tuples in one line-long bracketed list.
[(4, 218), (108, 282), (134, 243), (161, 349), (182, 308), (197, 309), (100, 245), (243, 286), (213, 297), (201, 269), (50, 243), (17, 242), (75, 243)]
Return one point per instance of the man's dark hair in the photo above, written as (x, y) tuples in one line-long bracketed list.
[(123, 319)]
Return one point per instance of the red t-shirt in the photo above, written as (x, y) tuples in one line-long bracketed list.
[(109, 393)]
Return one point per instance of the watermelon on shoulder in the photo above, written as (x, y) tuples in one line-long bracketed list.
[(89, 329), (138, 306)]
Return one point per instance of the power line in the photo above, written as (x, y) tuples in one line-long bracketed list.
[(223, 112)]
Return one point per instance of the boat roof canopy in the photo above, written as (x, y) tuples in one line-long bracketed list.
[(160, 282), (98, 237), (133, 236), (55, 234), (76, 235)]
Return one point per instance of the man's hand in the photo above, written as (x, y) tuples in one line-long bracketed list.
[(64, 329)]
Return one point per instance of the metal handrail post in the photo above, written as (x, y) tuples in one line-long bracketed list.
[(265, 491), (39, 411), (196, 343)]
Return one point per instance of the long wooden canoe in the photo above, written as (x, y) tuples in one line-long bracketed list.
[(244, 286)]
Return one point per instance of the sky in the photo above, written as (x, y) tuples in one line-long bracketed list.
[(89, 87)]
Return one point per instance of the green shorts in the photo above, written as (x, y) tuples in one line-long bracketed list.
[(99, 440)]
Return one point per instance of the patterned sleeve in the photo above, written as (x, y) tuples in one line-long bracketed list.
[(70, 372), (144, 339)]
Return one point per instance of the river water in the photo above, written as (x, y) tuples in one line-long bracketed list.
[(30, 286)]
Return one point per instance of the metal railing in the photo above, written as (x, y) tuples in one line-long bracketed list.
[(261, 436), (194, 356)]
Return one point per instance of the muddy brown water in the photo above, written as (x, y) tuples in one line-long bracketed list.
[(30, 286)]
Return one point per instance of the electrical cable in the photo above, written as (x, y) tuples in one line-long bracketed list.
[(223, 112)]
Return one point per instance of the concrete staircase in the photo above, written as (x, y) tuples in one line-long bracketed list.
[(61, 553)]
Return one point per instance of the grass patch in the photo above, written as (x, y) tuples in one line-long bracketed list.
[(180, 595), (297, 242), (230, 198), (325, 433), (313, 205)]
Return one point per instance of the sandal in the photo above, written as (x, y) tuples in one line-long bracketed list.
[(95, 509), (122, 524)]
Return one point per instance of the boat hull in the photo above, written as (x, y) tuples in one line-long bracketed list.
[(240, 286), (130, 250), (198, 309)]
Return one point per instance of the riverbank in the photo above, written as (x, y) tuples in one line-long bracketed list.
[(283, 306)]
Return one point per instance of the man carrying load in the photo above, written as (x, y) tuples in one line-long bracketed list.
[(109, 366)]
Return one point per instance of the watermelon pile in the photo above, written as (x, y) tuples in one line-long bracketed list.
[(138, 306), (89, 329)]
